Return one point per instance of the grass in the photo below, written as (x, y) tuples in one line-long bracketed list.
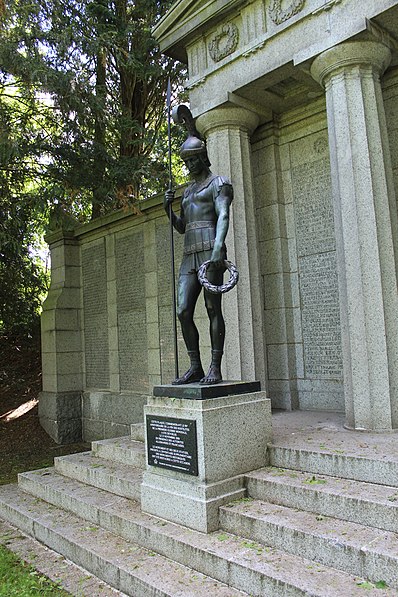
[(19, 579)]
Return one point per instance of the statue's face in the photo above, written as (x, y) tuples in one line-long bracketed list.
[(195, 164)]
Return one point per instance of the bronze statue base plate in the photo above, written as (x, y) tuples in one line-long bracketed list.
[(196, 391)]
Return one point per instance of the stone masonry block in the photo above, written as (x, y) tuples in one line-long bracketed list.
[(122, 408), (60, 405), (281, 290), (152, 315), (267, 190)]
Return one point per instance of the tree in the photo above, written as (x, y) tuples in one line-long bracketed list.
[(107, 79), (22, 279), (82, 113)]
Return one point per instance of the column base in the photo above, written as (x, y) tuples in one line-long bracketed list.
[(197, 453)]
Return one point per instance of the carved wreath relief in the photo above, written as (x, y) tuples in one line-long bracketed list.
[(279, 15), (224, 42)]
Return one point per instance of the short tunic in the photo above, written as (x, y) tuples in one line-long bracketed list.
[(200, 234)]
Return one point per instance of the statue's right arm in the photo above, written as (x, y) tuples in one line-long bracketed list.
[(178, 221)]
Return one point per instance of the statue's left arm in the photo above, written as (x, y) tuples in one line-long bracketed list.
[(222, 205)]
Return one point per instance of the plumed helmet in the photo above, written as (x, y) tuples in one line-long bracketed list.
[(194, 144)]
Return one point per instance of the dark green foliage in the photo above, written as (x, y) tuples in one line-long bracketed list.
[(107, 82), (23, 279), (82, 123)]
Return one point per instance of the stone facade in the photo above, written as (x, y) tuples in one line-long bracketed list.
[(318, 212), (107, 324), (297, 101)]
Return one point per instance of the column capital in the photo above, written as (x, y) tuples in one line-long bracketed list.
[(227, 117), (349, 54)]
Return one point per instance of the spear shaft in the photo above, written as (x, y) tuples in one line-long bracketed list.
[(172, 233)]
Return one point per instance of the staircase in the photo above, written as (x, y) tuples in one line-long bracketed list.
[(299, 531)]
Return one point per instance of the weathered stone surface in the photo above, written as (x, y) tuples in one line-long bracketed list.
[(231, 436)]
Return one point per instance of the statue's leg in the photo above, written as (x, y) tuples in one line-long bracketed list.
[(188, 292), (217, 329)]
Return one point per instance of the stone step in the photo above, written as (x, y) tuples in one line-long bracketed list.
[(355, 501), (121, 479), (72, 578), (121, 449), (343, 545), (137, 432), (243, 564), (371, 469), (124, 565)]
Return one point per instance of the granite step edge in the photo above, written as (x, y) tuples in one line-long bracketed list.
[(123, 450), (122, 564), (354, 548), (258, 569), (335, 463), (121, 479), (137, 432), (355, 501), (68, 575)]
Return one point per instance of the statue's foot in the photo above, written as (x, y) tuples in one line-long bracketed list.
[(213, 376), (191, 376)]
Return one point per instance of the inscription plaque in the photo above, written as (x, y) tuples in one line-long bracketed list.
[(172, 444)]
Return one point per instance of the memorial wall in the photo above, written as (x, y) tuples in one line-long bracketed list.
[(295, 227), (124, 322), (126, 316)]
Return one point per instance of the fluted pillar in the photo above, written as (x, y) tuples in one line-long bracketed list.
[(366, 230), (227, 131)]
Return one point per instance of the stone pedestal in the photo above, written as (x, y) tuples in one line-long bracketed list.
[(366, 230), (214, 442)]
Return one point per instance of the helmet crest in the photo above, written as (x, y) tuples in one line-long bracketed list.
[(194, 143)]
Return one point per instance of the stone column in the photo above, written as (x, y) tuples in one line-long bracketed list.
[(60, 408), (227, 131), (366, 230)]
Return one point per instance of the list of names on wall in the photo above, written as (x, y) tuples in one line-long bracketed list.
[(320, 316), (95, 315), (313, 208), (172, 444), (316, 253), (131, 312)]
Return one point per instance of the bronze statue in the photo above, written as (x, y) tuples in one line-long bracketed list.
[(204, 219)]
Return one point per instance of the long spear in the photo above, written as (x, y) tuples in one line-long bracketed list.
[(172, 232)]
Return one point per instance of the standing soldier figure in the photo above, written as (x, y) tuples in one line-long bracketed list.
[(204, 219)]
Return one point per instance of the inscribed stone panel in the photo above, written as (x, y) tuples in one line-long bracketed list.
[(163, 259), (95, 316), (313, 208), (133, 352), (130, 276), (320, 316), (315, 241), (131, 310), (167, 346), (166, 334)]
